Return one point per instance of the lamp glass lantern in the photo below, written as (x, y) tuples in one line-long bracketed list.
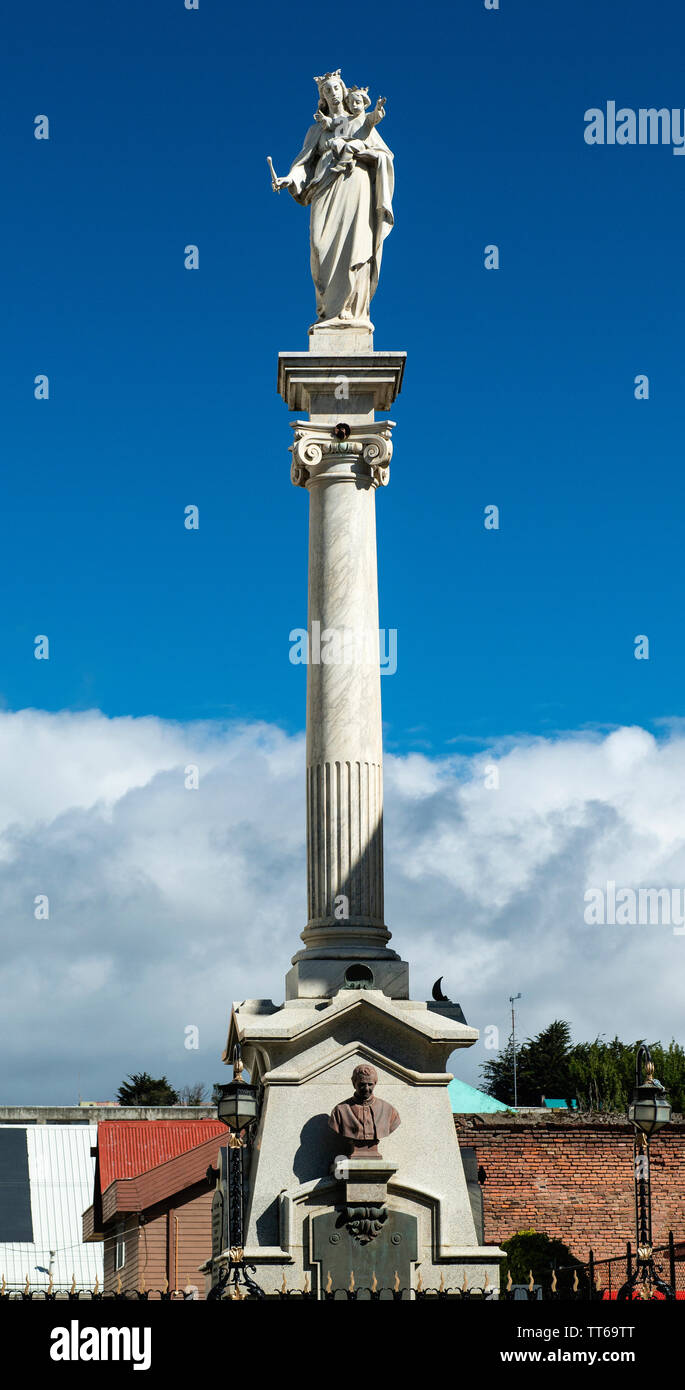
[(650, 1108), (237, 1104)]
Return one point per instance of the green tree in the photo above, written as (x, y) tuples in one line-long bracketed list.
[(498, 1075), (598, 1075), (601, 1074), (604, 1072), (534, 1252), (669, 1066), (142, 1089), (542, 1068)]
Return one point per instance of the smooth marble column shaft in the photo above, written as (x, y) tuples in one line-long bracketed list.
[(344, 731), (344, 738)]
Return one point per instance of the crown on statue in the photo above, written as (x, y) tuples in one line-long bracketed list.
[(320, 80), (363, 92)]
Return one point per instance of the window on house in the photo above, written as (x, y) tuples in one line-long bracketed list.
[(120, 1247)]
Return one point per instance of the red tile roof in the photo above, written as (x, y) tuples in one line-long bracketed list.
[(127, 1148)]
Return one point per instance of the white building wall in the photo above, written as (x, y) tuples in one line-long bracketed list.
[(61, 1176)]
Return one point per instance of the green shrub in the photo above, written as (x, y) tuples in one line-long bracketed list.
[(533, 1250)]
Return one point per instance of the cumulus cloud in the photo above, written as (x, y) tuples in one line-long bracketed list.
[(166, 903)]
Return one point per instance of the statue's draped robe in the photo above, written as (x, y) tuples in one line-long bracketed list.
[(351, 215)]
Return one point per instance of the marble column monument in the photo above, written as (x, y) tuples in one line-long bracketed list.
[(347, 1010)]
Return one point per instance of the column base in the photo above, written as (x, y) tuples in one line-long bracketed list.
[(315, 975)]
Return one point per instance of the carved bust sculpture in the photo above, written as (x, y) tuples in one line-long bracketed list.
[(364, 1119)]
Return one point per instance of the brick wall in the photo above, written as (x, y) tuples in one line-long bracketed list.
[(572, 1177)]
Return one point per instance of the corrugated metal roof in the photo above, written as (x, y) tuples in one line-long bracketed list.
[(127, 1148), (60, 1177)]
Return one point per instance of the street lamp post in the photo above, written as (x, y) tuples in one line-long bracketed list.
[(237, 1109), (648, 1112), (512, 1001)]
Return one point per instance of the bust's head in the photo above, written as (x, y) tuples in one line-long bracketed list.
[(364, 1078)]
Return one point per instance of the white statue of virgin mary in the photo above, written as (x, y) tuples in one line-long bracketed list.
[(344, 172)]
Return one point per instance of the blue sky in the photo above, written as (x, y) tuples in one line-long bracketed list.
[(518, 387), (518, 392)]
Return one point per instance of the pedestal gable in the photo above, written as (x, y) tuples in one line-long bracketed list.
[(373, 380), (311, 1066), (305, 1037)]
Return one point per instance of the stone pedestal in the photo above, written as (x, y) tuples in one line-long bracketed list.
[(302, 1056)]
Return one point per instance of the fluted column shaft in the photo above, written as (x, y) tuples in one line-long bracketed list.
[(344, 731)]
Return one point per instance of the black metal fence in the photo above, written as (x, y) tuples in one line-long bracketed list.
[(606, 1277), (20, 1294), (588, 1281)]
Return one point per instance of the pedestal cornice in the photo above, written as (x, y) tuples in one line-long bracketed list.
[(305, 376)]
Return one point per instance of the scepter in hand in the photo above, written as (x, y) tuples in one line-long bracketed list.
[(275, 182)]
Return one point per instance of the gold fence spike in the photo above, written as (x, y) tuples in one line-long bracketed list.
[(329, 1283), (26, 1285), (97, 1284), (284, 1286), (419, 1284), (73, 1284), (374, 1282), (531, 1281), (486, 1285), (350, 1286), (306, 1283), (464, 1283), (575, 1281), (554, 1281)]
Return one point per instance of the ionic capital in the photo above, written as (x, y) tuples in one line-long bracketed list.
[(325, 453)]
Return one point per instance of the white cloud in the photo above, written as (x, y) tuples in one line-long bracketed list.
[(166, 903)]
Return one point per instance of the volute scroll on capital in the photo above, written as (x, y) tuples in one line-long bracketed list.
[(318, 453), (377, 454)]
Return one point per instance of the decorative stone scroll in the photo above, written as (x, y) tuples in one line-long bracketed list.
[(317, 453)]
